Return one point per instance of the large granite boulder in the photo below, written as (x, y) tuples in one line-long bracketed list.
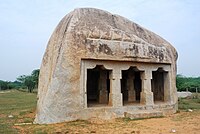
[(88, 33)]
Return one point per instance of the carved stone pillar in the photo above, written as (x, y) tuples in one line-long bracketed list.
[(115, 96), (131, 89), (103, 92), (167, 87), (146, 94)]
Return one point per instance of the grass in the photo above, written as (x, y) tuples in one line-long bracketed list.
[(18, 104), (192, 102), (22, 105)]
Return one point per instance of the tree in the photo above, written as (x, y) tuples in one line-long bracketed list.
[(14, 85), (3, 85), (35, 75), (190, 83), (30, 81), (21, 78)]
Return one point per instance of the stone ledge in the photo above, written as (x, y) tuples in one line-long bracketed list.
[(143, 114)]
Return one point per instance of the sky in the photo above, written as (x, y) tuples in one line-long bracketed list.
[(26, 26)]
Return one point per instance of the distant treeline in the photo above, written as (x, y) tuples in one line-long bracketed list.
[(9, 85), (22, 82), (187, 83)]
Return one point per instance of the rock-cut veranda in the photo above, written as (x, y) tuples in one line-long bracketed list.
[(101, 65)]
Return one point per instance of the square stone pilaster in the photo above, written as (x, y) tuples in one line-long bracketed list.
[(167, 88), (103, 92), (146, 96), (115, 96), (131, 89)]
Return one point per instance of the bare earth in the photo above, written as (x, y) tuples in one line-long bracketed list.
[(180, 123)]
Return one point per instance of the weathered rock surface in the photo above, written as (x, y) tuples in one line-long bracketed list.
[(184, 94), (88, 33)]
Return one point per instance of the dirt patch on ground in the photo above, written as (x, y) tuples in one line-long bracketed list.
[(180, 123)]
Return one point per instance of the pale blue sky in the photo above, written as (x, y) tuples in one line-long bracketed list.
[(26, 25)]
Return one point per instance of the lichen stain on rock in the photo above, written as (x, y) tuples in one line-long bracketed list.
[(90, 46), (132, 50), (161, 56), (135, 47), (150, 48), (155, 53), (139, 29), (103, 48)]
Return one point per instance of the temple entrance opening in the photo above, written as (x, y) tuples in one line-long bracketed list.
[(131, 86), (158, 84), (98, 86)]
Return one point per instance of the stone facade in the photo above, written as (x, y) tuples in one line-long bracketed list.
[(100, 65)]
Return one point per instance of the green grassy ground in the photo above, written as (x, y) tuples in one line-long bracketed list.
[(22, 105), (192, 102), (18, 104)]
